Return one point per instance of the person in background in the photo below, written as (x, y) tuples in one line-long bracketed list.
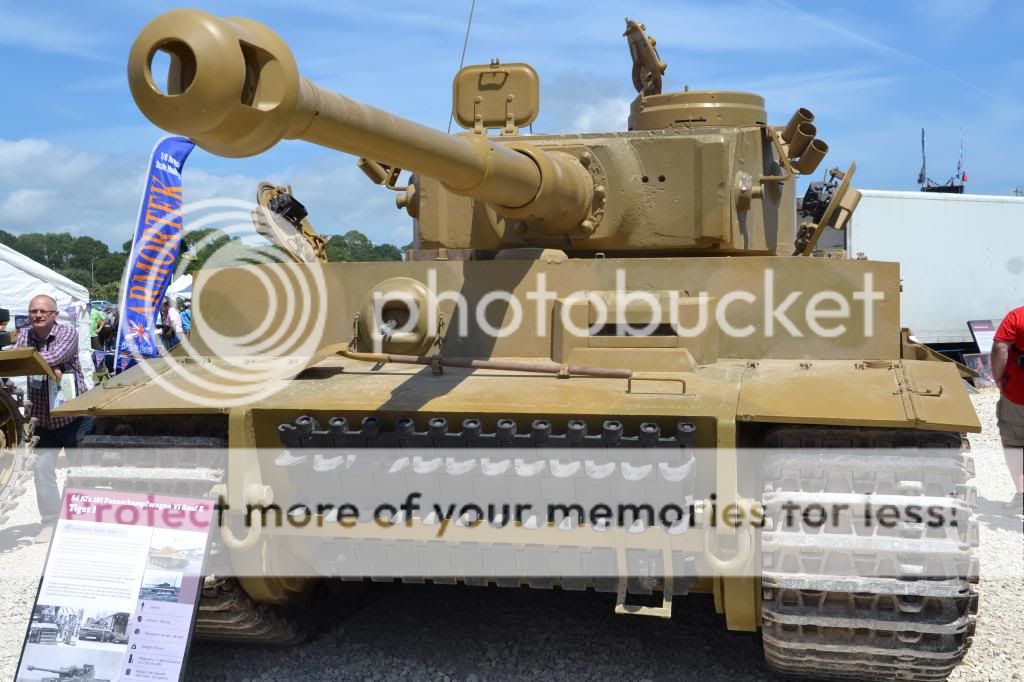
[(103, 334), (186, 316), (5, 336), (58, 345), (1008, 372), (170, 320), (97, 322), (113, 319)]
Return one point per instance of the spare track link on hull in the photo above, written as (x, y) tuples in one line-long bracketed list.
[(364, 462), (135, 455), (563, 465), (824, 623)]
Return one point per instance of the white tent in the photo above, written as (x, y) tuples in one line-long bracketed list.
[(21, 278), (180, 288)]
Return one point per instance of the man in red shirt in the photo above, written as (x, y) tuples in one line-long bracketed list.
[(1008, 371)]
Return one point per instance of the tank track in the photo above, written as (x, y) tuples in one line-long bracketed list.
[(227, 613), (136, 455), (15, 456), (842, 602)]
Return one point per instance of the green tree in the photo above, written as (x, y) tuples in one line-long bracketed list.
[(61, 246), (78, 275), (85, 252), (91, 263), (84, 260), (109, 291), (34, 246), (214, 248), (59, 250), (356, 246), (110, 267), (205, 243)]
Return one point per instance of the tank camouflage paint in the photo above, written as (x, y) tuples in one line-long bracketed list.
[(684, 227)]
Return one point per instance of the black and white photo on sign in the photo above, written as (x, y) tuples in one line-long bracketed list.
[(160, 585), (43, 663), (177, 550)]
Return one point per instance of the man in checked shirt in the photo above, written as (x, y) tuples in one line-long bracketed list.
[(58, 344)]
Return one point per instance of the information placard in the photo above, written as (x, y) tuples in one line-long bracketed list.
[(984, 333), (120, 588)]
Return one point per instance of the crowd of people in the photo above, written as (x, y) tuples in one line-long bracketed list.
[(173, 323), (103, 323)]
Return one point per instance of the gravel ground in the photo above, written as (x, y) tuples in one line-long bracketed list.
[(458, 633), (998, 651)]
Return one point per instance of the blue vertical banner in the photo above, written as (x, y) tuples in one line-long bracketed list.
[(154, 253)]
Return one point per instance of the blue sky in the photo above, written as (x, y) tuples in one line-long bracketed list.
[(73, 146)]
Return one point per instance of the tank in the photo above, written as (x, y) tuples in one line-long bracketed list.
[(70, 673), (43, 628), (169, 558), (109, 628), (626, 320)]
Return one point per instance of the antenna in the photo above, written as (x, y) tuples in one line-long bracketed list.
[(922, 177), (462, 59), (955, 185), (961, 174)]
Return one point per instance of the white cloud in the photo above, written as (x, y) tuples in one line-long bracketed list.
[(839, 91), (605, 114), (43, 161), (745, 26), (55, 188), (583, 102), (26, 205), (862, 39)]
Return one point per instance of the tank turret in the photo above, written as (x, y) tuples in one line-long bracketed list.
[(696, 172)]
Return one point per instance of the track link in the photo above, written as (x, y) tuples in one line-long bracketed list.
[(139, 455), (842, 601), (487, 461)]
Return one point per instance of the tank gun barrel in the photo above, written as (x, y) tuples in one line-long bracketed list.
[(234, 88)]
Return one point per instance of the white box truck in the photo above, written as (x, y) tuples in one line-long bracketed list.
[(961, 257)]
